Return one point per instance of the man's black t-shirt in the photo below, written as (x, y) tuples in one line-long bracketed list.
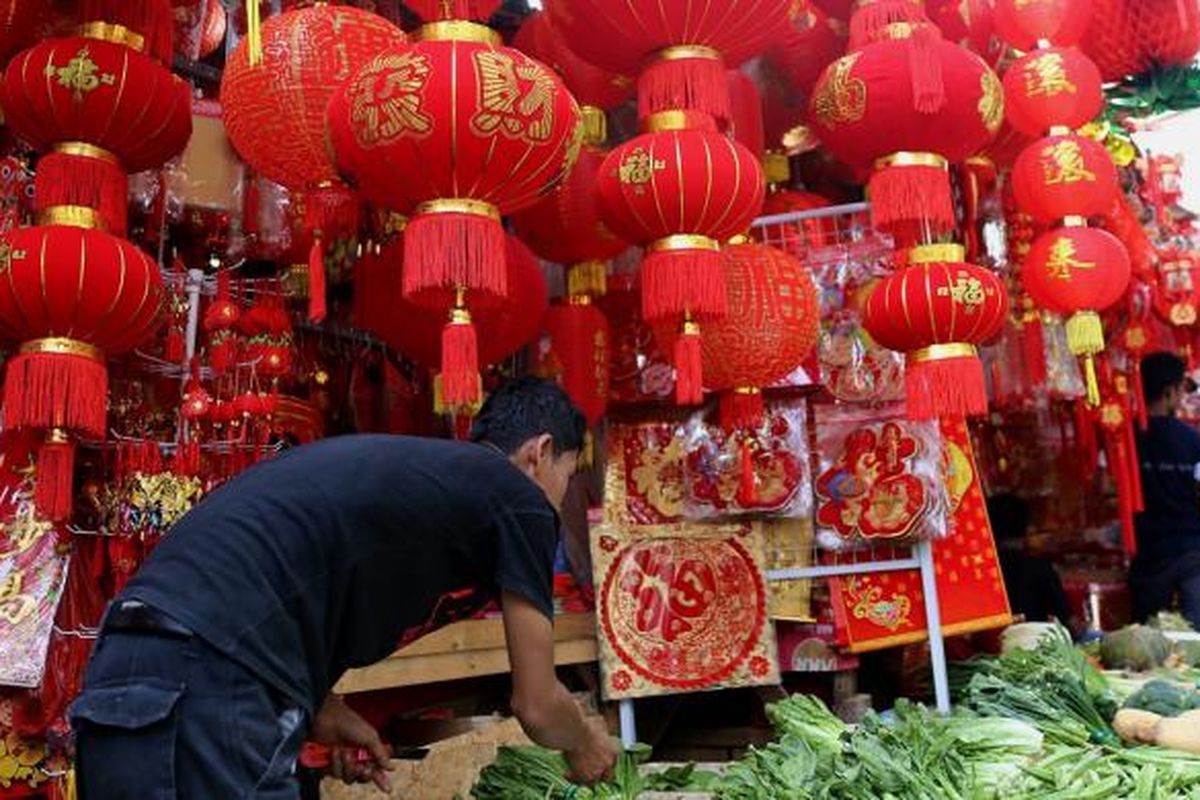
[(328, 556), (1169, 452)]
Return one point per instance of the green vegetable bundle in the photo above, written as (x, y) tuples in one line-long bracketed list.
[(1165, 698)]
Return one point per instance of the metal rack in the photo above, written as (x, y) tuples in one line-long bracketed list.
[(821, 238)]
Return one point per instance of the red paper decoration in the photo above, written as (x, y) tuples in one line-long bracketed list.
[(1127, 37), (70, 296), (274, 112), (908, 107), (1062, 176), (1054, 87), (936, 310), (680, 47), (582, 344), (1025, 23), (489, 131)]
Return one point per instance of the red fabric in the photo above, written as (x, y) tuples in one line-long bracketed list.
[(1023, 22), (1076, 269), (1062, 176), (274, 112), (1051, 87), (591, 85), (620, 36), (131, 106), (869, 103), (566, 227), (471, 119), (85, 284)]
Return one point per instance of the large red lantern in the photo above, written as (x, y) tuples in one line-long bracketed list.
[(1026, 23), (680, 48), (908, 107), (1079, 272), (1054, 87), (70, 296), (488, 131), (1064, 176), (681, 188), (937, 309)]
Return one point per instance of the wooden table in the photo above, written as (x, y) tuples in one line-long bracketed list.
[(468, 649)]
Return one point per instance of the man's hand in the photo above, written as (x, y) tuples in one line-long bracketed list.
[(594, 760), (338, 726)]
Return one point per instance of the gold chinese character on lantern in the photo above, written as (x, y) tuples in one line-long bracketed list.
[(638, 168), (526, 115), (80, 74), (965, 291), (839, 98), (1062, 162), (1062, 259), (1046, 76), (8, 255), (385, 100)]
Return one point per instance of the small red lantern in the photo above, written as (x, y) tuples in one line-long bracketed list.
[(1063, 176), (680, 48), (908, 107), (1026, 23), (1055, 87), (937, 309), (582, 342), (489, 131), (70, 296), (1078, 271)]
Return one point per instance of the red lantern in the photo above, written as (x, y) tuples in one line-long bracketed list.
[(746, 113), (808, 45), (1055, 87), (908, 107), (812, 232), (1128, 37), (435, 10), (1025, 23), (969, 23), (591, 85), (937, 309), (144, 25), (70, 296), (1063, 176), (274, 112), (1078, 271), (680, 47), (581, 341), (488, 130)]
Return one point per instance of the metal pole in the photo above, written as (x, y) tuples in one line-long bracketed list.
[(628, 723), (195, 282), (933, 619)]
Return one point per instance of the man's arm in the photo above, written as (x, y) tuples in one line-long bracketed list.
[(543, 706)]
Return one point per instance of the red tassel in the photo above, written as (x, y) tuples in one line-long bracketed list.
[(912, 202), (154, 20), (66, 179), (316, 282), (1033, 345), (175, 347), (697, 83), (747, 494), (447, 250), (460, 362), (741, 409), (928, 83), (56, 390), (676, 282), (689, 384), (945, 387), (870, 22), (1085, 437), (54, 494)]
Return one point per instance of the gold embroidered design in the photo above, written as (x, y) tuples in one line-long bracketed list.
[(81, 75), (840, 99), (1062, 162), (386, 98), (1062, 259), (1046, 76), (9, 255), (991, 102), (516, 99), (638, 168)]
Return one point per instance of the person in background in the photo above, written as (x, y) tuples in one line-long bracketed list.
[(1168, 531), (1035, 590), (220, 657)]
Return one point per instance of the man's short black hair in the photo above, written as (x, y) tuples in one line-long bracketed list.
[(1009, 516), (526, 408), (1160, 372)]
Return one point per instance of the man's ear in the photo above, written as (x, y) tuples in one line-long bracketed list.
[(545, 447)]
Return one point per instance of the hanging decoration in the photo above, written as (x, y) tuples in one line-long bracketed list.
[(1130, 37), (491, 130), (1052, 87), (1024, 24), (715, 189), (1062, 176), (274, 112)]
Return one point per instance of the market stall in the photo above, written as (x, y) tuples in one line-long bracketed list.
[(855, 299)]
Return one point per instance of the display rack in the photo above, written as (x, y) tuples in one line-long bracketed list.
[(819, 238)]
